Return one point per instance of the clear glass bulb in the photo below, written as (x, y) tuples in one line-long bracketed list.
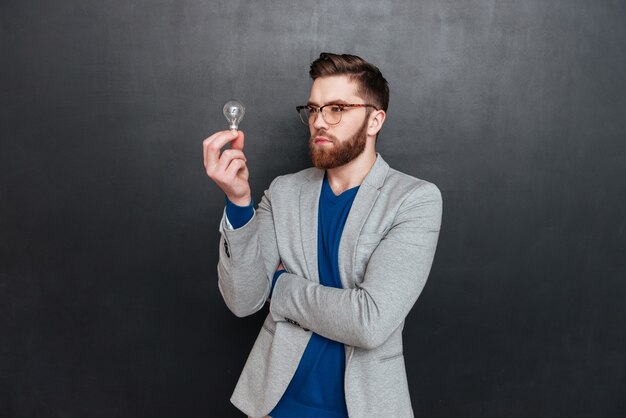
[(234, 111)]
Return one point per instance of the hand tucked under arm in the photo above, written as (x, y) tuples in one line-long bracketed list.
[(280, 270)]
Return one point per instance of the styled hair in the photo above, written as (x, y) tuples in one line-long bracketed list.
[(372, 86)]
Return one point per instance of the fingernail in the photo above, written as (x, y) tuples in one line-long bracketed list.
[(234, 132)]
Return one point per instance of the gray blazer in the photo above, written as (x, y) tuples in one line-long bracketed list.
[(385, 254)]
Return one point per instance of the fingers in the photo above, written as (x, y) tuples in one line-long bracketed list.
[(213, 145), (228, 157), (234, 167)]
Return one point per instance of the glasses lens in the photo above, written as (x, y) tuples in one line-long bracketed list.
[(332, 114), (304, 115)]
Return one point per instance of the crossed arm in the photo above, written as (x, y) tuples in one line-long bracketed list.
[(363, 316)]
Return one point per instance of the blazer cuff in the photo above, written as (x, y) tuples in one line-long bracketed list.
[(275, 306)]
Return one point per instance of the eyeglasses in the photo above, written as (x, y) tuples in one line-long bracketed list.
[(331, 113)]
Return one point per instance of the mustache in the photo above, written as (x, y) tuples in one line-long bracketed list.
[(324, 134)]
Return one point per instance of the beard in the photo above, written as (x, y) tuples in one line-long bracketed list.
[(341, 152)]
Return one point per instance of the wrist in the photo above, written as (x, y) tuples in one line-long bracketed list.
[(241, 201)]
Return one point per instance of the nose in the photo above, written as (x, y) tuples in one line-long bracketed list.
[(319, 122)]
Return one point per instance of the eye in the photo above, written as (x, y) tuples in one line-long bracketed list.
[(335, 108)]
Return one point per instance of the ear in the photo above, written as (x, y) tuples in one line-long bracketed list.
[(376, 120)]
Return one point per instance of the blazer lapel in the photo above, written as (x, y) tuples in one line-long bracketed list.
[(361, 207), (309, 205)]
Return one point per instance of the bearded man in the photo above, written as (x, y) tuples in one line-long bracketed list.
[(340, 251)]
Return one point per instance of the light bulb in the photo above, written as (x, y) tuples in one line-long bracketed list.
[(234, 111)]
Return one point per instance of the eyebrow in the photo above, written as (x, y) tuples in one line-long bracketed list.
[(337, 101)]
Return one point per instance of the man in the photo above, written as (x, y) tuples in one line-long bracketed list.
[(340, 251)]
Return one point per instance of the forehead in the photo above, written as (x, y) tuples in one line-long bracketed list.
[(333, 88)]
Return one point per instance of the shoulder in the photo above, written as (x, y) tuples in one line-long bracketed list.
[(295, 180), (406, 187)]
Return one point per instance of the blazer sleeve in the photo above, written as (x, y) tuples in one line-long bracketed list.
[(394, 277), (248, 257)]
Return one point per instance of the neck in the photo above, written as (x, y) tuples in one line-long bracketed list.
[(352, 174)]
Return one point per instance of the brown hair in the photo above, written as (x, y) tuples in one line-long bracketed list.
[(372, 85)]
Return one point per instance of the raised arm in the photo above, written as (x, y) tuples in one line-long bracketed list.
[(248, 255)]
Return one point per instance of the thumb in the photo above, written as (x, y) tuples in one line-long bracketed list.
[(238, 142)]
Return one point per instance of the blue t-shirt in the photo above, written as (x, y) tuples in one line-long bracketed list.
[(317, 388)]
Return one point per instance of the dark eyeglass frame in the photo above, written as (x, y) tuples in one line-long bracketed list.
[(313, 111)]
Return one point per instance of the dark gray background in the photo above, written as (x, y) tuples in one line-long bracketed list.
[(109, 304)]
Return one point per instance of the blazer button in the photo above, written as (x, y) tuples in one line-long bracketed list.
[(292, 322)]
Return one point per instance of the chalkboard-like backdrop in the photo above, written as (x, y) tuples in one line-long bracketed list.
[(109, 304)]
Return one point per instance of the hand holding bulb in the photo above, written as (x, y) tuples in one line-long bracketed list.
[(228, 169)]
